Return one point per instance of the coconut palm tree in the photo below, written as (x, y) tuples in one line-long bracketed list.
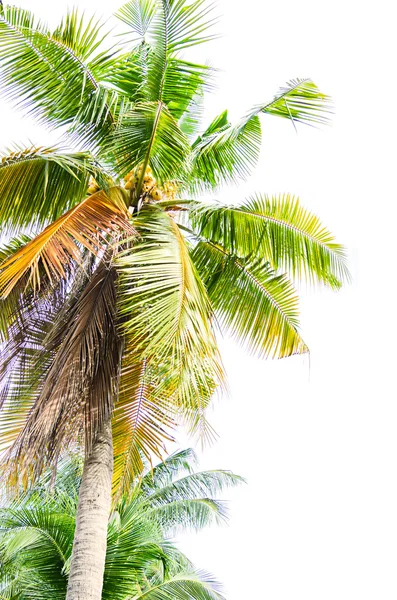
[(115, 276), (36, 534)]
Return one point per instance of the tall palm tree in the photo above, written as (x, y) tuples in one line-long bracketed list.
[(112, 291), (36, 534)]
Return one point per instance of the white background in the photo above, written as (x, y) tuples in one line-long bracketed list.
[(316, 442)]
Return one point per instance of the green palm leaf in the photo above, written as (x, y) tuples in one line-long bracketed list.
[(225, 153), (184, 586), (149, 134), (39, 541), (300, 101), (36, 533), (193, 514), (195, 486), (163, 473), (138, 15), (58, 76), (258, 307), (37, 185), (277, 230)]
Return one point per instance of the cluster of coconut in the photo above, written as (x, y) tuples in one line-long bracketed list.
[(150, 188), (149, 184)]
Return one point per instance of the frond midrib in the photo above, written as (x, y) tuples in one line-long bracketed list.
[(258, 284)]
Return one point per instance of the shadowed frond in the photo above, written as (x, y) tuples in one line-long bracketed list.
[(258, 307), (37, 185), (84, 226), (277, 230), (23, 365), (78, 392), (9, 306)]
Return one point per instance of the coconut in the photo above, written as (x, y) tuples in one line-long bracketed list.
[(156, 194)]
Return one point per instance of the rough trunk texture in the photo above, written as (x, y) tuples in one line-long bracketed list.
[(89, 545)]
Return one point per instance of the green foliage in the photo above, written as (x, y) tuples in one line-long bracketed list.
[(150, 134), (37, 528), (224, 153), (37, 185), (112, 308), (278, 231)]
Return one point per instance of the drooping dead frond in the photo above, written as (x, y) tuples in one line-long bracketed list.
[(78, 391)]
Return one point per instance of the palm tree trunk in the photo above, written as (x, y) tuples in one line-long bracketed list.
[(89, 545)]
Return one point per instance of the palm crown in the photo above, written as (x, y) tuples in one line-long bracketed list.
[(113, 307), (36, 534)]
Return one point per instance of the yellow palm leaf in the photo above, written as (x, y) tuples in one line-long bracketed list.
[(86, 225)]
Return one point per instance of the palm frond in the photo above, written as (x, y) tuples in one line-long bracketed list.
[(142, 420), (149, 134), (195, 486), (181, 515), (134, 545), (57, 76), (300, 101), (258, 307), (23, 363), (85, 225), (225, 153), (38, 540), (183, 82), (37, 185), (176, 26), (191, 120), (138, 15), (167, 312), (164, 472), (277, 230), (180, 25), (9, 306), (184, 586), (78, 392), (36, 533)]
